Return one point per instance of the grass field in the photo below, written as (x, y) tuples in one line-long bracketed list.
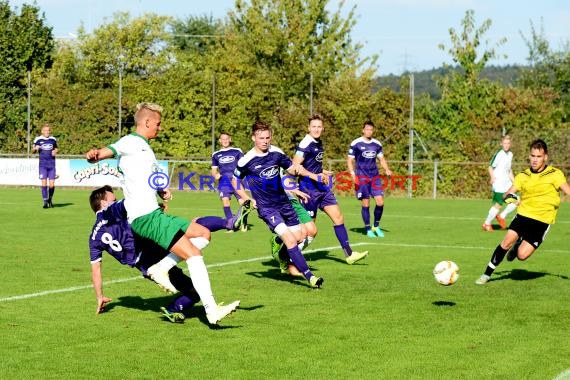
[(383, 319)]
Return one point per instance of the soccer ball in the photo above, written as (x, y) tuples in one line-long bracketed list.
[(446, 272)]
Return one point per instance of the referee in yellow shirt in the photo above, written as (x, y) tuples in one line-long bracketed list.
[(539, 187)]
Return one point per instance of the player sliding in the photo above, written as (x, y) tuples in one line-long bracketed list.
[(138, 164), (112, 233), (260, 168)]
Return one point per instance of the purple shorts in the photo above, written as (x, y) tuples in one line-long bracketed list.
[(281, 213), (47, 173), (370, 189), (318, 200), (225, 188)]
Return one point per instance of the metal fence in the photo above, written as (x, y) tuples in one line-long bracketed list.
[(426, 179)]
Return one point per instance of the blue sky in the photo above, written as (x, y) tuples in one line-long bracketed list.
[(404, 33)]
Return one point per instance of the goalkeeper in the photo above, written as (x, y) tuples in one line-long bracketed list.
[(539, 188)]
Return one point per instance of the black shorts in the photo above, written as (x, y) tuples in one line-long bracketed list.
[(531, 230), (150, 253)]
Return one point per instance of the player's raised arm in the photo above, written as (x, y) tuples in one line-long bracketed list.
[(96, 155)]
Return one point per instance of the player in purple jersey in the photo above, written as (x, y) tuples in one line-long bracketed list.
[(112, 233), (310, 153), (224, 162), (46, 145), (364, 151), (260, 169)]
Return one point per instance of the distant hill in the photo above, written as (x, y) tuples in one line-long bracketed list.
[(424, 80)]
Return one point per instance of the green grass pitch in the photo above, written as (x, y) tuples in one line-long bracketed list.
[(385, 318)]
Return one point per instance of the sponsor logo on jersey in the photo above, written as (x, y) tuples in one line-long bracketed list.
[(369, 154), (227, 159), (320, 156), (270, 172)]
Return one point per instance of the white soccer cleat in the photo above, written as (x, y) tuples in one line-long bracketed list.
[(483, 279), (221, 312), (356, 256), (161, 278)]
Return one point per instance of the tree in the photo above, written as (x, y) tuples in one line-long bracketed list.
[(271, 57), (466, 47), (26, 44), (548, 68)]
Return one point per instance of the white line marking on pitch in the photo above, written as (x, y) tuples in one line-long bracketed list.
[(74, 288)]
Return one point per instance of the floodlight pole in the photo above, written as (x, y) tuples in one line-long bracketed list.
[(29, 108), (120, 59), (311, 93), (213, 113), (411, 139)]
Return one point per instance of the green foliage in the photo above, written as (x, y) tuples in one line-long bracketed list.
[(26, 43), (196, 34), (466, 46), (550, 69)]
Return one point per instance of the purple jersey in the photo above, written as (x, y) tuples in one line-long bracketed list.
[(47, 145), (312, 152), (226, 160), (260, 171), (365, 154), (112, 233)]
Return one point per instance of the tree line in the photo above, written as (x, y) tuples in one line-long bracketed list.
[(278, 61)]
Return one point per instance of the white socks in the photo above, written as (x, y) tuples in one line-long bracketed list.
[(200, 242), (168, 262), (201, 281), (493, 211), (305, 243), (510, 208)]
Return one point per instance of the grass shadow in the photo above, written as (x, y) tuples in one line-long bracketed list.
[(275, 274), (443, 303), (523, 275), (362, 230), (154, 304), (139, 303), (58, 205)]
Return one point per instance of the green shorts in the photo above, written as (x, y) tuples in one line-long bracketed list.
[(163, 229), (498, 198), (302, 214)]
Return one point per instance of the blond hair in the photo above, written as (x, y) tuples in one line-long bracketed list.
[(143, 108)]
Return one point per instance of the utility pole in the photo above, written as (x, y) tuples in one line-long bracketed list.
[(411, 138)]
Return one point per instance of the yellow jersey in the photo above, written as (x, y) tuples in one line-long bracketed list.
[(540, 193)]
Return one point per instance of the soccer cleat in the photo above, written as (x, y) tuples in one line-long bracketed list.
[(240, 219), (316, 282), (501, 221), (378, 232), (172, 317), (513, 252), (161, 278), (370, 234), (483, 279), (221, 312), (275, 248), (487, 227), (356, 256), (46, 205)]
